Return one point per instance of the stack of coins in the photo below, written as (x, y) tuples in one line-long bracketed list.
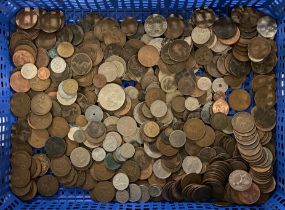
[(137, 112)]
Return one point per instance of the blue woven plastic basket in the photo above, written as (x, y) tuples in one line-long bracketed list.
[(74, 198)]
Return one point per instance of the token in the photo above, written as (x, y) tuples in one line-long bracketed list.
[(120, 181), (98, 154), (224, 28), (239, 100), (158, 108), (47, 185), (65, 49), (192, 164), (111, 97), (240, 180), (155, 25), (148, 56)]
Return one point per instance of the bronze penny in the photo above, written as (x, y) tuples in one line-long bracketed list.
[(175, 27), (239, 100), (154, 94), (21, 57), (132, 170), (46, 40), (38, 138), (99, 172), (40, 122), (103, 192), (47, 185), (250, 196), (203, 56), (26, 18), (60, 166), (265, 97), (20, 104), (259, 48), (148, 56), (21, 191), (42, 58), (59, 127), (20, 181), (99, 80), (18, 83), (50, 21), (194, 129), (179, 50), (45, 163), (32, 193), (220, 105), (129, 26), (41, 104), (81, 64)]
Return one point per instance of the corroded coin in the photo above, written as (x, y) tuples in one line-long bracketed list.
[(155, 25)]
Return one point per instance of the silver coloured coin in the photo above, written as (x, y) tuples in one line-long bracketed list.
[(155, 25), (94, 113)]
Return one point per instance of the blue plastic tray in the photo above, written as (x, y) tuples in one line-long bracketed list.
[(74, 198)]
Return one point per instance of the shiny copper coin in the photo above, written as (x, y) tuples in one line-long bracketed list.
[(221, 105), (19, 83), (43, 73)]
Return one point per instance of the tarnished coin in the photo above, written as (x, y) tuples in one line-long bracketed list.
[(179, 50), (55, 147), (155, 25), (122, 196), (47, 185), (135, 193), (94, 113), (18, 83), (41, 104), (267, 27), (240, 180), (219, 84), (204, 83), (192, 104), (151, 129), (239, 100), (26, 18), (20, 104), (200, 35), (29, 71), (194, 129), (81, 64), (65, 49), (158, 108), (109, 70), (103, 192), (243, 122)]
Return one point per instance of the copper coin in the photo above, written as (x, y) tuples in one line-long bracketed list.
[(179, 50), (38, 138), (47, 185), (240, 180), (59, 127), (50, 21), (39, 122), (220, 105), (103, 192), (19, 83), (43, 73), (20, 104), (99, 80), (239, 100), (26, 18), (175, 27), (259, 48), (148, 56), (250, 196), (194, 129), (203, 56), (21, 57), (41, 104), (42, 58)]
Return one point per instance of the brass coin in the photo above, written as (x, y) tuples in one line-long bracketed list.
[(65, 49)]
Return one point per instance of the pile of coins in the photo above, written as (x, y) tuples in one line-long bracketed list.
[(188, 129)]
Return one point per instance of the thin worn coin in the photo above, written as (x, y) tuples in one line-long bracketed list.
[(155, 25), (267, 27)]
